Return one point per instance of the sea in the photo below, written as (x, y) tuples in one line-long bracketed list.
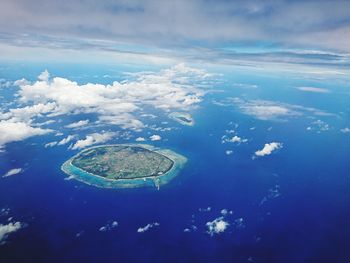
[(289, 206)]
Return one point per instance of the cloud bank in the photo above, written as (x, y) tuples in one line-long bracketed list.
[(181, 24), (121, 103)]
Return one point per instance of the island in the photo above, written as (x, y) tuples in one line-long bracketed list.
[(183, 118), (124, 166)]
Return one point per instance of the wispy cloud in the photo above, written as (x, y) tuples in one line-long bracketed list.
[(147, 227), (271, 110), (78, 124), (313, 89), (13, 172)]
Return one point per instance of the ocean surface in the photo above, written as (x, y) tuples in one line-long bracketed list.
[(289, 206)]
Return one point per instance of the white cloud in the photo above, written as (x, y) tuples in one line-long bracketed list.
[(345, 130), (48, 122), (269, 148), (44, 76), (17, 131), (147, 227), (77, 124), (234, 139), (92, 139), (117, 103), (13, 172), (229, 152), (66, 140), (50, 144), (155, 137), (5, 230), (271, 110), (217, 226), (26, 114), (140, 139), (109, 226), (5, 83), (313, 89)]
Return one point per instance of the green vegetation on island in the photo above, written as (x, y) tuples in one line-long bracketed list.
[(123, 166)]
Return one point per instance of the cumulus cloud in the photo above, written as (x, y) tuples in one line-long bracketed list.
[(116, 103), (269, 148), (313, 89), (147, 227), (155, 137), (13, 172), (92, 139), (5, 230), (26, 114), (217, 226), (140, 139), (44, 76), (17, 131), (78, 124)]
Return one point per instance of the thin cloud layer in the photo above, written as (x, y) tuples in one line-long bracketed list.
[(182, 23), (272, 110), (313, 89)]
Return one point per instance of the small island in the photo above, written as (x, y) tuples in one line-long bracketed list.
[(124, 166), (183, 118)]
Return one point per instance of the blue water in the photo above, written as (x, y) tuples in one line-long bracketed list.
[(306, 222)]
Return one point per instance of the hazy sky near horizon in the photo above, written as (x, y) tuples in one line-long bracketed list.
[(272, 29)]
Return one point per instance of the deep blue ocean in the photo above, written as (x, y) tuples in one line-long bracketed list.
[(290, 206)]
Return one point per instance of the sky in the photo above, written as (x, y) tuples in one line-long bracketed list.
[(302, 32)]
